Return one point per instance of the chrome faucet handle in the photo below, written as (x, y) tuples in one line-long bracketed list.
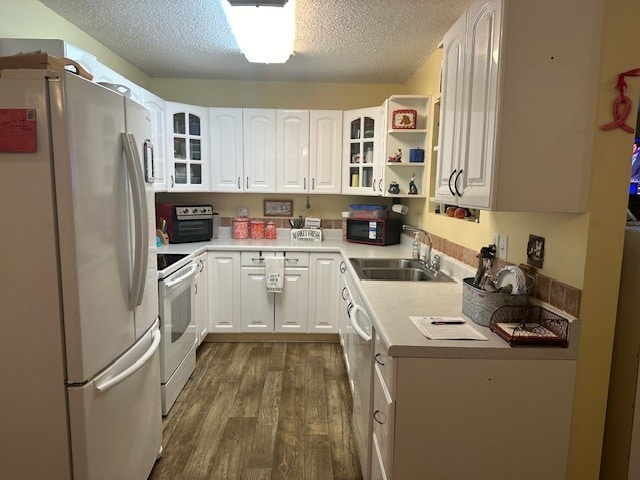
[(435, 263)]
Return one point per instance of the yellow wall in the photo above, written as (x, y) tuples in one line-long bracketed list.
[(226, 93), (582, 250)]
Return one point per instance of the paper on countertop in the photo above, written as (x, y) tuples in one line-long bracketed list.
[(461, 331)]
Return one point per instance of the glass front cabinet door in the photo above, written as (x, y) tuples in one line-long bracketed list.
[(362, 174), (187, 148)]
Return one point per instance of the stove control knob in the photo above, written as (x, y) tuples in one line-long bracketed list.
[(203, 210), (195, 210)]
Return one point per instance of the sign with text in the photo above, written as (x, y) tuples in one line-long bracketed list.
[(18, 130)]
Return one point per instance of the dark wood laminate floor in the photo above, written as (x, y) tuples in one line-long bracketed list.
[(262, 411)]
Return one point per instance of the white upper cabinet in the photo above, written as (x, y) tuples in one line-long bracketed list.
[(309, 147), (156, 108), (362, 159), (508, 141), (325, 153), (187, 147), (259, 150), (292, 147), (225, 132), (450, 141)]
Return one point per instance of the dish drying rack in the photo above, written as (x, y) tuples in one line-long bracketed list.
[(530, 325)]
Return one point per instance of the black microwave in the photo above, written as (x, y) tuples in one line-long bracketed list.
[(373, 231)]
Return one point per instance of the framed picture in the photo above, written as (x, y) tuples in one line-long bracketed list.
[(278, 208), (403, 119)]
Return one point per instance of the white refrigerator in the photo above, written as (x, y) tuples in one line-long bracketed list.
[(80, 395)]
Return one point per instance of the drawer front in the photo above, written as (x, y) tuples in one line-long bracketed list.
[(383, 422), (254, 259), (291, 259), (386, 365), (295, 259)]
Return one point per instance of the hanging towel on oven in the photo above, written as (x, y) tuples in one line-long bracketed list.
[(274, 267)]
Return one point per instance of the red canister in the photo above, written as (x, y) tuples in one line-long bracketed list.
[(257, 229), (270, 232), (239, 228)]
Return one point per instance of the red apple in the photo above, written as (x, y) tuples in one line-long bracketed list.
[(460, 213), (451, 211)]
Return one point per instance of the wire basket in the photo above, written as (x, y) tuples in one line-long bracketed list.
[(530, 325), (479, 305)]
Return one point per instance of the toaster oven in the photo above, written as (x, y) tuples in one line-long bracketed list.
[(187, 223)]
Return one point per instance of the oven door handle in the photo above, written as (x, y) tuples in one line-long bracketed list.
[(140, 220), (113, 381), (193, 268), (354, 323)]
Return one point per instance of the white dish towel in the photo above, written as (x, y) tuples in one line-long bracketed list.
[(274, 267)]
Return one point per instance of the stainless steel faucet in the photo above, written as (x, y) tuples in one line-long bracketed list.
[(431, 263)]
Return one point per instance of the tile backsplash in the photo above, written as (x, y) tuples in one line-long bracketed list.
[(561, 296)]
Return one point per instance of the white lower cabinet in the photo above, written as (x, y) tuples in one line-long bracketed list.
[(324, 284), (224, 292), (202, 298), (263, 311), (474, 418)]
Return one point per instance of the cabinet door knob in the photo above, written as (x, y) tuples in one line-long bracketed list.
[(379, 417), (378, 357), (450, 178), (343, 267), (455, 182)]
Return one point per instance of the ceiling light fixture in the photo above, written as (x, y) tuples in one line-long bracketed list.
[(264, 29)]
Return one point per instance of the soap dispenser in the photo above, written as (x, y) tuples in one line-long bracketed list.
[(415, 253)]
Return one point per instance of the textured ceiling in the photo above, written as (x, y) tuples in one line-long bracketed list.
[(363, 41)]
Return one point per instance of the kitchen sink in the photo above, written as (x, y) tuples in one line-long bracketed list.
[(396, 269)]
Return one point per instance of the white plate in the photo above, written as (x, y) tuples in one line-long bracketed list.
[(513, 276)]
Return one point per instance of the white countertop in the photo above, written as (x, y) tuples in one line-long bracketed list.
[(391, 303)]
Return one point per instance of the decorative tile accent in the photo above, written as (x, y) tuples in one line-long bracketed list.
[(557, 294), (543, 288)]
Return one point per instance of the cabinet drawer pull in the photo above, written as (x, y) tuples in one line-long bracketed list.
[(379, 417), (247, 183), (239, 186), (380, 185), (343, 267), (349, 308), (344, 293), (455, 182), (292, 260), (258, 259), (450, 178), (377, 357), (373, 184)]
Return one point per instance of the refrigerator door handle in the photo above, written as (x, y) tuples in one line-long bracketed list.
[(149, 161), (140, 218), (119, 378)]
